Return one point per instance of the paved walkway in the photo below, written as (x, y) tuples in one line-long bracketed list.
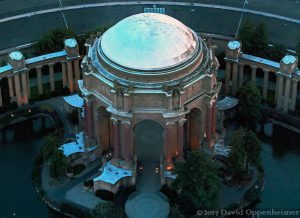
[(148, 202)]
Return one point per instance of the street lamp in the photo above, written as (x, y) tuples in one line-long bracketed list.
[(238, 28)]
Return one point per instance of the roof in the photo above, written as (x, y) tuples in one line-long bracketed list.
[(112, 174), (261, 60), (149, 41), (234, 45), (289, 59), (16, 55), (227, 103), (46, 57), (74, 100), (75, 147)]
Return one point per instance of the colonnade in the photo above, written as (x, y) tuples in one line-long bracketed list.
[(286, 80), (17, 73)]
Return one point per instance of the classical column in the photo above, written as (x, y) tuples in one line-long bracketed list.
[(111, 135), (180, 139), (188, 130), (39, 79), (24, 88), (253, 74), (1, 103), (77, 73), (28, 83), (234, 78), (70, 76), (11, 87), (279, 92), (89, 113), (287, 94), (52, 81), (241, 75), (116, 138), (125, 139), (294, 95), (18, 89), (208, 122), (169, 143), (213, 120), (64, 74), (227, 76), (266, 81)]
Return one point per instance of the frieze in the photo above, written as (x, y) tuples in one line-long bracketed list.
[(143, 100), (101, 88), (193, 90)]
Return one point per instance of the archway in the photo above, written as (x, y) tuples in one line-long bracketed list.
[(149, 144)]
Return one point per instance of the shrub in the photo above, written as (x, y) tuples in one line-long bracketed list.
[(252, 194), (122, 195), (108, 210), (75, 211)]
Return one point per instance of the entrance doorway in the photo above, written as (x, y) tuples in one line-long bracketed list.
[(149, 143)]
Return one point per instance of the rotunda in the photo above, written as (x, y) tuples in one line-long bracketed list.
[(149, 87)]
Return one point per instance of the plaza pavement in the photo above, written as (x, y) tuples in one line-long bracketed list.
[(215, 17)]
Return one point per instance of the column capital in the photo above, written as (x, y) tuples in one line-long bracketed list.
[(253, 67), (38, 67), (266, 70), (170, 124), (125, 123), (181, 122), (50, 64), (114, 120)]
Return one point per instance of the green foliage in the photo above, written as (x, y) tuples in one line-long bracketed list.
[(249, 100), (107, 210), (197, 178), (255, 39), (252, 194), (246, 148), (175, 212), (51, 144), (52, 41), (298, 52), (58, 164), (73, 210)]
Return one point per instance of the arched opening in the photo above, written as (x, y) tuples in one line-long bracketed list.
[(149, 144), (46, 79), (193, 130), (5, 92), (58, 76)]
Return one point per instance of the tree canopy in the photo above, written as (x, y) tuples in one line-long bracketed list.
[(245, 149), (107, 210), (198, 179), (53, 41), (249, 100)]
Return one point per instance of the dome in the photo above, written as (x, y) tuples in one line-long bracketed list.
[(149, 41)]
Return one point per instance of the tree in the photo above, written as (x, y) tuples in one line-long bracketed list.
[(260, 41), (107, 210), (255, 39), (51, 144), (245, 149), (237, 156), (198, 179), (52, 41), (175, 212), (58, 164), (249, 100), (298, 52), (246, 35)]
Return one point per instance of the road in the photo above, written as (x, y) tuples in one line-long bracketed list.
[(203, 19)]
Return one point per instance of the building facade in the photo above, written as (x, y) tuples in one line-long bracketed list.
[(149, 67)]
